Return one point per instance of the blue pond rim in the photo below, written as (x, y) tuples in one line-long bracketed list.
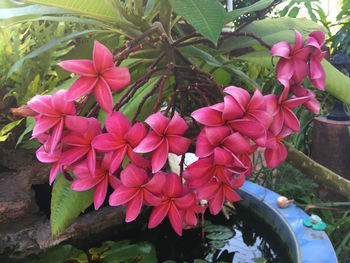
[(305, 244)]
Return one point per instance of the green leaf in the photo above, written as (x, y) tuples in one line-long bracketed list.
[(67, 19), (337, 83), (191, 51), (206, 16), (66, 253), (30, 122), (66, 205), (44, 48), (272, 31), (234, 14), (143, 252), (101, 10), (6, 13), (294, 12), (5, 131)]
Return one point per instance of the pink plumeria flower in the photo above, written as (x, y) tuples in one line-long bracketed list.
[(189, 215), (99, 180), (120, 140), (281, 110), (216, 192), (312, 104), (174, 200), (275, 152), (136, 189), (53, 111), (165, 138), (223, 145), (317, 74), (293, 61), (50, 157), (98, 76), (80, 143)]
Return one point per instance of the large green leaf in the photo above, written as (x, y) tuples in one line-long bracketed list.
[(6, 13), (337, 83), (101, 10), (66, 205), (191, 51), (206, 16), (46, 47), (234, 14), (272, 31)]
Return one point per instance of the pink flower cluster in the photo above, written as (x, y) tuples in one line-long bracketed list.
[(100, 157), (300, 61)]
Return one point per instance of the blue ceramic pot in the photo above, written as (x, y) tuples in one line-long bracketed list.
[(305, 244)]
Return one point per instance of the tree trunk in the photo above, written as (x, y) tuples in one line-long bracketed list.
[(316, 171)]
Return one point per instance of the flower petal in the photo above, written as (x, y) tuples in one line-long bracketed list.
[(117, 124), (151, 142), (43, 104), (122, 195), (102, 57), (79, 124), (107, 142), (82, 67), (158, 214), (103, 96), (91, 158), (100, 192), (54, 172), (290, 120), (117, 77), (232, 109), (136, 134), (158, 123), (203, 147), (208, 116), (61, 105), (133, 176), (173, 185), (216, 135), (156, 184), (176, 126), (137, 159), (281, 49), (44, 124), (85, 183), (160, 156), (298, 42), (117, 159), (216, 203), (133, 207), (175, 219), (81, 87), (73, 154), (237, 143), (56, 134), (240, 95), (178, 144)]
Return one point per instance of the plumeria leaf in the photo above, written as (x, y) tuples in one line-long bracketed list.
[(272, 31), (101, 10), (206, 16), (44, 48), (5, 131), (230, 16), (66, 205)]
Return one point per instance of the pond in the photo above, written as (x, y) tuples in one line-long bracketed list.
[(242, 238)]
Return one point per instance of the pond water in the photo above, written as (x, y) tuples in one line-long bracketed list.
[(240, 239)]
